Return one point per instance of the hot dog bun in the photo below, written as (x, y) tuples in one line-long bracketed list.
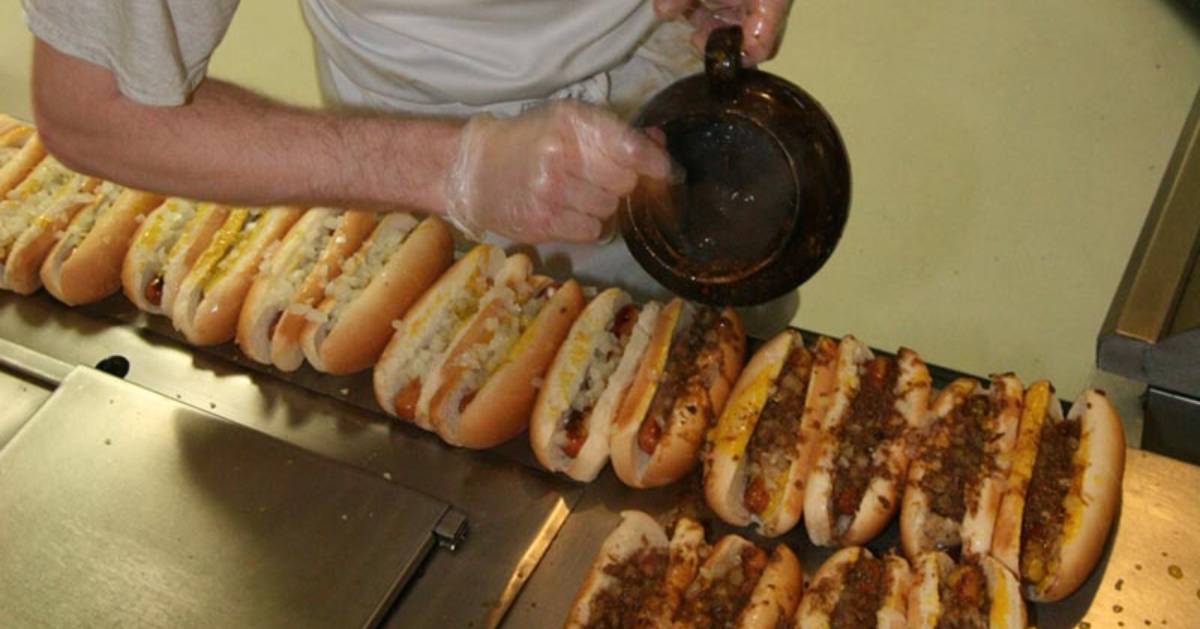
[(292, 280), (761, 451), (723, 586), (1062, 493), (20, 151), (428, 328), (777, 593), (630, 565), (686, 552), (587, 381), (85, 265), (485, 387), (681, 386), (957, 477), (211, 295), (880, 592), (393, 268), (977, 592), (854, 485), (32, 218), (145, 263), (198, 234)]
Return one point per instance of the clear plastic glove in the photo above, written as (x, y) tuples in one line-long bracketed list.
[(554, 173), (762, 21)]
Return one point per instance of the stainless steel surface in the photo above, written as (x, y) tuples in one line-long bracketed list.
[(528, 563), (37, 366), (509, 506), (20, 396), (121, 507), (1172, 425), (1165, 249), (1135, 580), (531, 535), (1152, 331)]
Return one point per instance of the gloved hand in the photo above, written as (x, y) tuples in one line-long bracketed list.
[(762, 22), (553, 173)]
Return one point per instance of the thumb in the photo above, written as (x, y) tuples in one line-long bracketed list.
[(762, 28)]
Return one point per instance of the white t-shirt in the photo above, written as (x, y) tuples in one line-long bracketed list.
[(445, 57)]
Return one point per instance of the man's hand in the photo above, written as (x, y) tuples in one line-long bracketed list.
[(762, 22), (553, 173)]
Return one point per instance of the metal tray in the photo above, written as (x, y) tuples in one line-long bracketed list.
[(537, 530), (120, 507)]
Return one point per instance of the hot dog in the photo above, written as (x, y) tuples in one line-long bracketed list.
[(956, 480), (292, 280), (212, 292), (591, 373), (740, 586), (680, 388), (1062, 492), (20, 151), (428, 328), (165, 247), (854, 589), (854, 485), (976, 593), (400, 260), (85, 265), (482, 390), (638, 577), (32, 219), (761, 450)]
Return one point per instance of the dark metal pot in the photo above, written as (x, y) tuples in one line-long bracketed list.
[(766, 191)]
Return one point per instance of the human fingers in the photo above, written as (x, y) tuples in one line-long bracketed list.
[(762, 29), (571, 226), (587, 198)]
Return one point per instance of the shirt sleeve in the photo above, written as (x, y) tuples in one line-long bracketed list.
[(158, 50)]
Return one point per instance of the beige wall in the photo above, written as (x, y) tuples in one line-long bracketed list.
[(1003, 153)]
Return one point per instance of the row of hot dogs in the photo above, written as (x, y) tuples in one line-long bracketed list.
[(481, 348), (646, 576), (1001, 497)]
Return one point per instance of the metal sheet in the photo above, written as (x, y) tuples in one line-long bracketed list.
[(512, 509), (1149, 572), (1162, 258), (20, 397), (1172, 425), (120, 507), (1152, 330)]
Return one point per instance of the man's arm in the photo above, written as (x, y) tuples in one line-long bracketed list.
[(550, 174), (230, 145)]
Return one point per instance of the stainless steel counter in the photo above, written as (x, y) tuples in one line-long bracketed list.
[(532, 534)]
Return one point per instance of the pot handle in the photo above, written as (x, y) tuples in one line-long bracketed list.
[(723, 58)]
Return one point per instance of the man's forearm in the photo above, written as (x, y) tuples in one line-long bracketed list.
[(230, 145)]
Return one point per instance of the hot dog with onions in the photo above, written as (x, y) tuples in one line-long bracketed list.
[(853, 489), (761, 450), (349, 330), (85, 265), (957, 477), (292, 281), (210, 296), (1063, 491), (587, 381), (483, 388), (679, 390)]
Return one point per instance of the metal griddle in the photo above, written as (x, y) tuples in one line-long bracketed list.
[(532, 534), (120, 507)]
